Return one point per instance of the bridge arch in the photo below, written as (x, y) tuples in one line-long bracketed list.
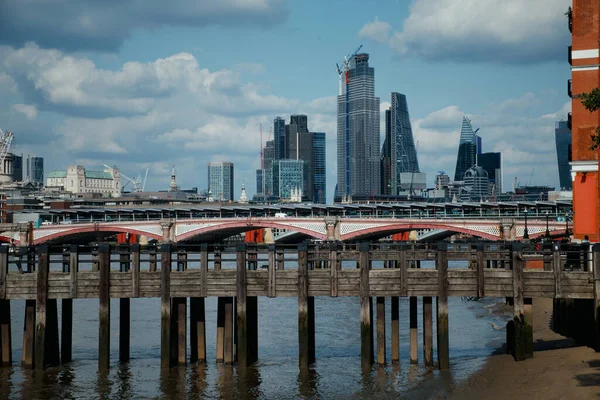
[(386, 230), (80, 230), (246, 225)]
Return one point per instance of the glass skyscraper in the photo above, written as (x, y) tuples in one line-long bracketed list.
[(358, 143), (467, 150), (492, 164), (279, 137), (36, 165), (220, 180), (319, 171), (562, 136), (403, 152), (288, 176)]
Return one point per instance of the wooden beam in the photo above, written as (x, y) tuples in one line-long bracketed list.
[(366, 311), (166, 358), (381, 330), (135, 270), (5, 332), (305, 333), (27, 355), (104, 308), (480, 270), (228, 356), (242, 322), (334, 266), (395, 330), (442, 306), (197, 330), (40, 310), (428, 331), (203, 269), (220, 341), (272, 289), (66, 332)]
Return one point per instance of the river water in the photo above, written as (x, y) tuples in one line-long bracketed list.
[(336, 373)]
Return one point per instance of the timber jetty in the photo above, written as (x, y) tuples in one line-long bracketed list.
[(238, 275)]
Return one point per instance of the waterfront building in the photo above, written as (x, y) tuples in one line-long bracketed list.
[(77, 180), (358, 142), (467, 150), (220, 180), (562, 137), (288, 178), (492, 164)]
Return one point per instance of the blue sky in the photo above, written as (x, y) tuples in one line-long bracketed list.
[(111, 82)]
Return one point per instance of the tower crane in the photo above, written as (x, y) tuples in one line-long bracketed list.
[(6, 138), (138, 184), (343, 70)]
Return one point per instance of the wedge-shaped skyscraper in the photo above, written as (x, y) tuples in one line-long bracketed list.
[(467, 150)]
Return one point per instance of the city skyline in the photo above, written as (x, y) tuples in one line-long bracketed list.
[(153, 98)]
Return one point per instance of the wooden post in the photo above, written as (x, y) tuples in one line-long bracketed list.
[(480, 270), (596, 307), (252, 328), (40, 310), (242, 322), (280, 258), (197, 330), (272, 289), (104, 309), (5, 318), (334, 266), (403, 270), (528, 318), (395, 330), (220, 342), (428, 331), (203, 269), (381, 330), (135, 270), (52, 346), (366, 312), (306, 331), (228, 332), (27, 356), (66, 340), (152, 258), (414, 324), (520, 346), (181, 310), (217, 260), (124, 310), (166, 358), (442, 306)]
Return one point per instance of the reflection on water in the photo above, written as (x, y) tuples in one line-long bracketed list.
[(336, 373)]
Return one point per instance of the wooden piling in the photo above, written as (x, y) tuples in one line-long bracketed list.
[(166, 358), (52, 347), (203, 269), (181, 309), (27, 355), (428, 331), (228, 356), (528, 319), (252, 328), (366, 312), (442, 306), (124, 312), (272, 288), (197, 330), (104, 309), (40, 310), (220, 342), (381, 330), (5, 332), (596, 302), (334, 268), (520, 336), (414, 356), (480, 270), (5, 317), (395, 330), (135, 270), (242, 323), (306, 332)]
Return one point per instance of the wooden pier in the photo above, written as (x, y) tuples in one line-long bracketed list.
[(239, 275)]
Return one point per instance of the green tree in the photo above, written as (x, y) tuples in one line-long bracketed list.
[(591, 102)]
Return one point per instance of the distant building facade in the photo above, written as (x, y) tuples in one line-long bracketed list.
[(77, 180), (562, 137), (358, 141), (492, 164), (17, 168), (220, 180), (476, 184), (35, 167), (467, 150), (288, 178)]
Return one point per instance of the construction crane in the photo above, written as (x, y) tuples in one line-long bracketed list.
[(137, 183), (343, 70), (6, 138)]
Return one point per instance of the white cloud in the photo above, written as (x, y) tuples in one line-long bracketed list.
[(378, 31), (29, 111), (509, 31)]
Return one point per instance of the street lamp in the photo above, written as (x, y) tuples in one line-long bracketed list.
[(547, 234), (525, 232)]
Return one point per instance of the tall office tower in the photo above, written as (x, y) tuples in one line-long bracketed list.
[(479, 145), (260, 181), (37, 170), (319, 168), (492, 164), (386, 156), (279, 137), (17, 168), (358, 143), (404, 162), (263, 176), (562, 136), (584, 58), (301, 121), (467, 150), (220, 180), (288, 178)]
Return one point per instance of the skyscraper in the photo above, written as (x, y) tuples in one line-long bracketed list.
[(386, 156), (319, 168), (279, 137), (467, 150), (358, 143), (36, 168), (403, 152), (562, 136), (288, 178), (17, 168), (220, 180), (492, 164)]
